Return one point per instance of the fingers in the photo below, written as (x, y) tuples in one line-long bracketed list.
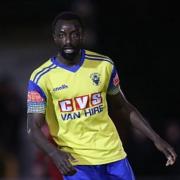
[(70, 169), (62, 160), (170, 155), (170, 161), (173, 153), (71, 158), (66, 168)]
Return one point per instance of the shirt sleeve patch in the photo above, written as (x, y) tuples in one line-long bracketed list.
[(35, 102), (114, 86), (34, 87), (116, 80), (33, 107), (34, 96), (36, 99)]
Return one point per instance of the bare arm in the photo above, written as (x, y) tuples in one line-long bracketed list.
[(61, 159), (119, 102)]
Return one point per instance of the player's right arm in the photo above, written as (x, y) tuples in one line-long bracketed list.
[(60, 158), (36, 106)]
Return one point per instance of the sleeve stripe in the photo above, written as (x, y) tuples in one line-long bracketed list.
[(45, 72), (42, 72), (93, 55), (99, 59)]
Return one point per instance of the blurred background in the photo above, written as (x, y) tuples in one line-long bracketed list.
[(142, 38)]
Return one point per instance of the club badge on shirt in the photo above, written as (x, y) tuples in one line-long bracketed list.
[(95, 77)]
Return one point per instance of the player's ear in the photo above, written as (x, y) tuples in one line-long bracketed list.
[(54, 37)]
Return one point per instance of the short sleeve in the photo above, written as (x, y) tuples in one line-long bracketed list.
[(114, 86), (36, 99)]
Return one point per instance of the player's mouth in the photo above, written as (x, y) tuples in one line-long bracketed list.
[(69, 50)]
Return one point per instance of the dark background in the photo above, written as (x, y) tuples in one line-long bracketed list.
[(142, 38)]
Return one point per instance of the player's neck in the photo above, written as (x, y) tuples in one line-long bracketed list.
[(69, 62)]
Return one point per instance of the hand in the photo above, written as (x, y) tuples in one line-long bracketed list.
[(167, 150), (62, 162)]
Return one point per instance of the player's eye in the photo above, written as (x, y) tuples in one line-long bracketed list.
[(61, 35), (75, 35)]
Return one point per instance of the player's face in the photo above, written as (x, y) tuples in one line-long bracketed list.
[(68, 38)]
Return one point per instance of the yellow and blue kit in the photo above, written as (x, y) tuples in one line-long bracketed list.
[(73, 99)]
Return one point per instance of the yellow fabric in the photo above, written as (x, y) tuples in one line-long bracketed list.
[(85, 128)]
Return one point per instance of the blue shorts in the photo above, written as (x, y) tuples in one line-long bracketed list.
[(119, 170)]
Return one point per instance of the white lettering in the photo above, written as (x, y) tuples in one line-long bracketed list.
[(66, 106), (82, 102), (96, 99)]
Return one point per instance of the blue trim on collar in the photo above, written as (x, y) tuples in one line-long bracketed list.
[(73, 68)]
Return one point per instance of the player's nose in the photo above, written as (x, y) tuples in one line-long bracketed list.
[(68, 40)]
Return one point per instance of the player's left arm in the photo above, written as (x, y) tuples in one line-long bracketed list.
[(119, 103)]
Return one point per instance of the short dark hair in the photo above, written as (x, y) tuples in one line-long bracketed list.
[(66, 15)]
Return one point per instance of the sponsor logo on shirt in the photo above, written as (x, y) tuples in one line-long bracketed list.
[(64, 86), (87, 105)]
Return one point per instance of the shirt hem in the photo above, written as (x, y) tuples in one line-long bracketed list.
[(116, 158)]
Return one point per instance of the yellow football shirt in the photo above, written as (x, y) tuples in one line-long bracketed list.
[(73, 99)]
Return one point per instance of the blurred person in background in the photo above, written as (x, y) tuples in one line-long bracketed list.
[(11, 107), (70, 92)]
